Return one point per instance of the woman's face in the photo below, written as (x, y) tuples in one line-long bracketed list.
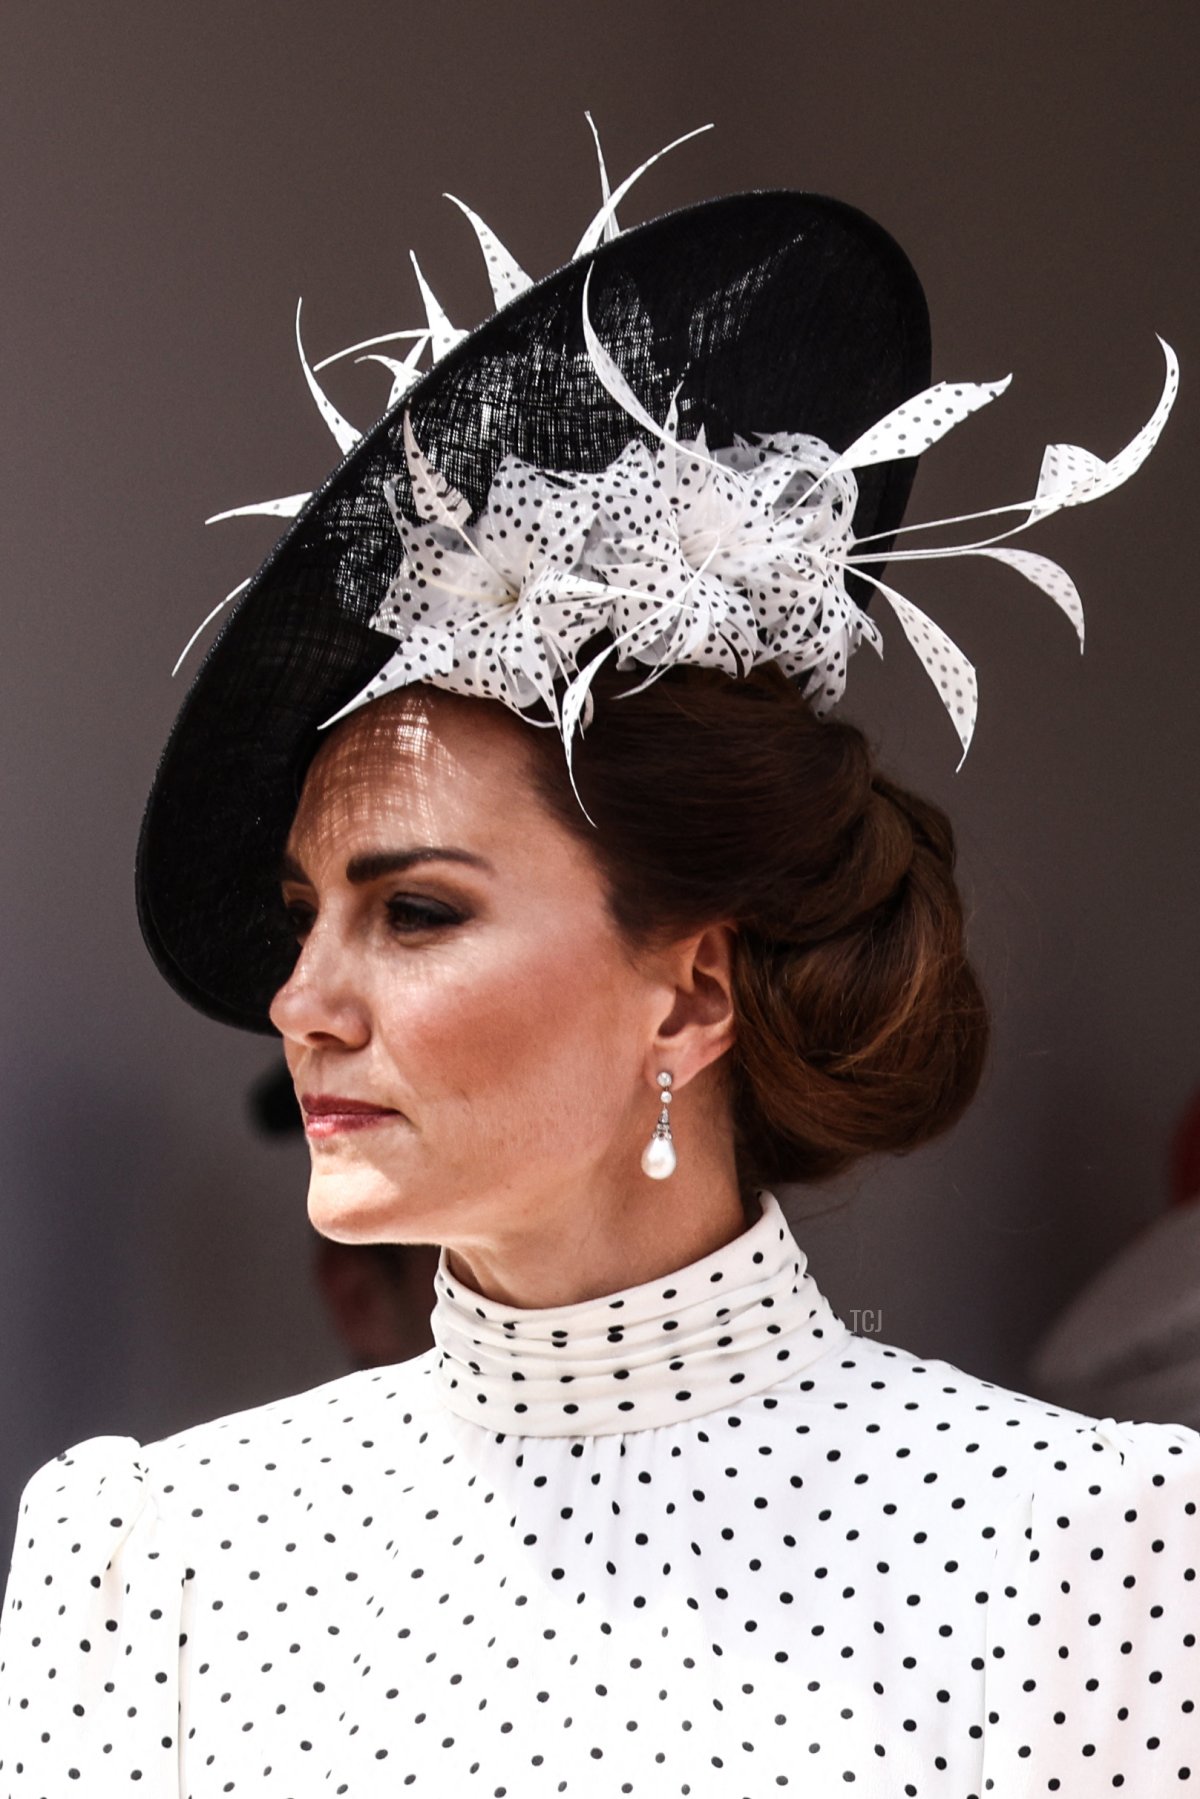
[(458, 971)]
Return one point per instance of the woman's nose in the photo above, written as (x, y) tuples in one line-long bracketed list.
[(319, 1003)]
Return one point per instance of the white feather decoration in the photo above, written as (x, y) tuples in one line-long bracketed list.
[(611, 228), (505, 273), (706, 557), (289, 507), (725, 558), (595, 230), (371, 343), (433, 496), (443, 334), (1071, 476), (916, 424), (220, 605), (344, 433), (404, 369)]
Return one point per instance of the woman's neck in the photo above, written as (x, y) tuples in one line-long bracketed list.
[(579, 1247)]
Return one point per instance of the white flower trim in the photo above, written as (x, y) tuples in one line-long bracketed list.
[(726, 558)]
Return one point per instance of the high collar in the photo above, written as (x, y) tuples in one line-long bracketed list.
[(735, 1323)]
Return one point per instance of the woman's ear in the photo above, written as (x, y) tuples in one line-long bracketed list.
[(700, 1025)]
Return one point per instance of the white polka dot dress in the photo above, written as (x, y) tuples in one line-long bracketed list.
[(693, 1538)]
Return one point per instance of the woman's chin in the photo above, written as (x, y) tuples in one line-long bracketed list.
[(358, 1205)]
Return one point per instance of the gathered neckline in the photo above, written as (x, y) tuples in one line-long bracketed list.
[(734, 1323)]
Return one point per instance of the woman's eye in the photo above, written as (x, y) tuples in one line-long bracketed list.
[(412, 915), (405, 915), (299, 918)]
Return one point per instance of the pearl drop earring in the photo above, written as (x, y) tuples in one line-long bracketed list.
[(658, 1157)]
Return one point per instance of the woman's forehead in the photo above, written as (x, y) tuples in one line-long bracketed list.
[(411, 762)]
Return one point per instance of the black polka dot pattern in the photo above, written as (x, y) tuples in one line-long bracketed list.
[(494, 607), (505, 273), (949, 670), (854, 1570), (916, 424), (726, 558), (726, 1327)]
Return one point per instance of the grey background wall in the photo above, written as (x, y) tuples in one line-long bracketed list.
[(173, 179)]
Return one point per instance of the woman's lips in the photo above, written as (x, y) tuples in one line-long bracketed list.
[(327, 1114)]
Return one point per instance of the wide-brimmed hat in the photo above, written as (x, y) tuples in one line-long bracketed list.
[(694, 441), (764, 313)]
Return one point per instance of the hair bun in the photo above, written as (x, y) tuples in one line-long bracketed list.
[(861, 1026)]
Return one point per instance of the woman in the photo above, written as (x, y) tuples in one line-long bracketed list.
[(648, 1518)]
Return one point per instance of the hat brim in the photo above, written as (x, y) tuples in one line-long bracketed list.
[(777, 311)]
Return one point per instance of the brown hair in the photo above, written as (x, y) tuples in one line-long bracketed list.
[(860, 1024)]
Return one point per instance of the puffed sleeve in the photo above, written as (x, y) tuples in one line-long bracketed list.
[(89, 1633), (1092, 1673)]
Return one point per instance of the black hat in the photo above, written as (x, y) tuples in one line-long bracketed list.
[(771, 312)]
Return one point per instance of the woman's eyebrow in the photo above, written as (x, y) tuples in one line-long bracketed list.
[(385, 862)]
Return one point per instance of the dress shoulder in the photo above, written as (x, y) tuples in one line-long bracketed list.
[(1092, 1671), (89, 1631)]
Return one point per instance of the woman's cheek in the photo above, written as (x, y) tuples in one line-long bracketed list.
[(535, 1013), (458, 1014)]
